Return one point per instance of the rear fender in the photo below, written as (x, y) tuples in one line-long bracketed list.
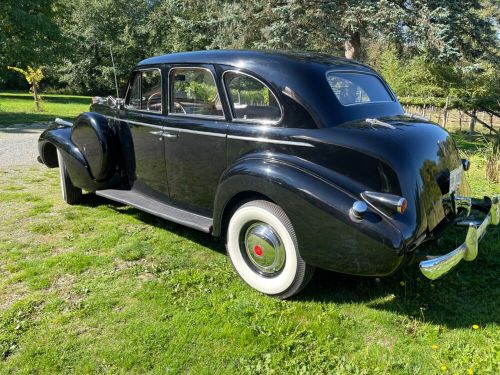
[(319, 212)]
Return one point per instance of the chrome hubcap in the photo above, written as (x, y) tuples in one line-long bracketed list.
[(264, 248)]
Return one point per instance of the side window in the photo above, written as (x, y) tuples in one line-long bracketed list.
[(145, 91), (151, 90), (194, 93), (134, 94), (251, 99)]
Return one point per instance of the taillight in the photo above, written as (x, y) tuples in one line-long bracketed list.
[(387, 202), (402, 205)]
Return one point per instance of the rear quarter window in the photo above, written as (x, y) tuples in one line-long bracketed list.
[(250, 99), (358, 88)]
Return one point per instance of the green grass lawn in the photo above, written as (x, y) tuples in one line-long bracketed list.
[(17, 108), (105, 288)]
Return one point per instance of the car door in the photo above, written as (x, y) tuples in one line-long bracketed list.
[(143, 114), (195, 137)]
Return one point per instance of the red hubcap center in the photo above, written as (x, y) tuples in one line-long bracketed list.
[(258, 250)]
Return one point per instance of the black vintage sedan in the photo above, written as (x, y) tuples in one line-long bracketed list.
[(297, 160)]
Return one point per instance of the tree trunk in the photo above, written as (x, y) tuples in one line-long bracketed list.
[(472, 123), (353, 46), (35, 97)]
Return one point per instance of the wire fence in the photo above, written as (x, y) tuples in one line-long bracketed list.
[(480, 120)]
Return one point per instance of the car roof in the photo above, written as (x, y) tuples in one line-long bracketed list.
[(298, 76), (237, 57)]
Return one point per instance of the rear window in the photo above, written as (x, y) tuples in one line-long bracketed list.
[(357, 88)]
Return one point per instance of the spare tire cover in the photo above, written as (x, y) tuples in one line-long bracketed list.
[(93, 137)]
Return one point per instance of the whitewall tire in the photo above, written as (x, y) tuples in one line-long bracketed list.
[(263, 248), (70, 193)]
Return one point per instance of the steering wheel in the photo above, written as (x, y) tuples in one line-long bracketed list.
[(148, 103), (179, 105)]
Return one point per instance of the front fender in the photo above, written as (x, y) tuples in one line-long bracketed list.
[(319, 211), (59, 138)]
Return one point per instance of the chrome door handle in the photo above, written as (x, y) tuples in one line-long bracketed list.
[(158, 133), (170, 135)]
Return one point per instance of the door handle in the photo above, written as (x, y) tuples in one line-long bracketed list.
[(170, 135), (158, 133)]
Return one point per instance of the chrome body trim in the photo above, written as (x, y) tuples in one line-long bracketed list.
[(268, 140), (189, 131), (60, 121), (135, 122), (358, 209), (211, 134), (436, 267), (374, 121)]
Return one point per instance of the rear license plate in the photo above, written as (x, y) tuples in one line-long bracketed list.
[(455, 179)]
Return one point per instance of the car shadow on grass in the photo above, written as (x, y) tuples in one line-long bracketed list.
[(468, 295), (204, 239)]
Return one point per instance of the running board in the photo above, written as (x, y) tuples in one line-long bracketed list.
[(154, 207)]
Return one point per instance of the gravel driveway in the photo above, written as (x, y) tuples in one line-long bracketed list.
[(19, 144)]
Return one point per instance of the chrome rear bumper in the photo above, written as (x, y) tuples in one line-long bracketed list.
[(436, 267)]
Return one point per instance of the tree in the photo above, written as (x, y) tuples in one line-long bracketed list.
[(446, 31), (33, 76), (29, 34), (442, 39), (92, 27)]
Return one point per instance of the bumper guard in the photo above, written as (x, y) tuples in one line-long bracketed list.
[(436, 267)]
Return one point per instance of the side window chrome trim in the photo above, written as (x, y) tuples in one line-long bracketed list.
[(128, 90), (191, 115), (236, 120)]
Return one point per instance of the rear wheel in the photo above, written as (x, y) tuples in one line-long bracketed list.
[(263, 248), (70, 193)]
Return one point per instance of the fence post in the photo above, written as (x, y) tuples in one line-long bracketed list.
[(445, 110), (491, 122)]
